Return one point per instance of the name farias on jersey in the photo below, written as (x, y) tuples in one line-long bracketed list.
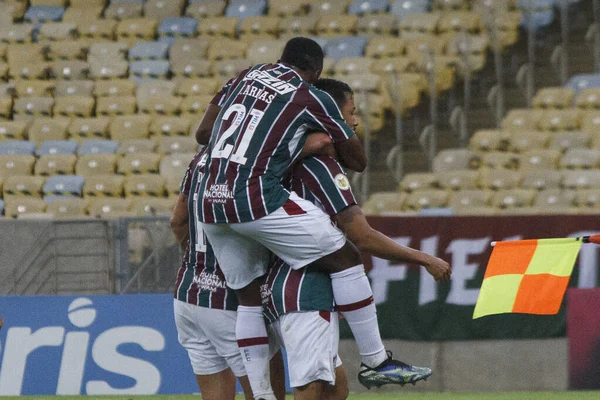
[(269, 81)]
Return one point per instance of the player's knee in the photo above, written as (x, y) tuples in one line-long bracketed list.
[(346, 257)]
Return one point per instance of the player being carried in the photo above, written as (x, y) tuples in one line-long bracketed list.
[(257, 127), (299, 304)]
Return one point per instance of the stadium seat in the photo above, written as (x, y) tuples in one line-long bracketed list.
[(167, 10), (173, 167), (298, 25), (522, 119), (96, 28), (225, 49), (401, 8), (588, 98), (17, 33), (15, 206), (64, 185), (56, 147), (102, 50), (159, 105), (255, 27), (227, 69), (513, 198), (580, 159), (385, 203), (116, 105), (368, 6), (137, 146), (245, 8), (108, 69), (186, 49), (96, 164), (469, 50), (155, 87), (16, 147), (74, 106), (489, 140), (454, 159), (540, 179), (353, 65), (103, 186), (499, 179), (149, 69), (109, 207), (206, 8), (195, 105), (97, 147), (33, 87), (587, 198), (581, 179), (465, 21), (54, 31), (71, 69), (28, 70), (67, 207), (124, 11), (191, 68), (542, 13), (152, 206), (521, 141), (115, 87), (129, 127), (23, 185), (138, 163), (553, 201), (43, 129), (195, 86), (68, 50), (500, 159), (286, 8), (476, 200), (419, 25), (335, 25), (145, 185), (6, 105), (17, 165), (540, 158), (55, 164), (177, 144), (83, 88), (458, 180), (418, 181), (563, 141), (218, 26), (13, 130), (348, 46), (38, 14), (89, 128), (148, 50), (170, 126), (553, 97), (423, 199), (560, 120), (26, 108)]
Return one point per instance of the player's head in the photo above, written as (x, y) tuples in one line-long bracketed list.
[(306, 56), (343, 96)]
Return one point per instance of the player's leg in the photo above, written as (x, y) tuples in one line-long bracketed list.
[(218, 386), (278, 375), (245, 384), (340, 390), (243, 261), (311, 391)]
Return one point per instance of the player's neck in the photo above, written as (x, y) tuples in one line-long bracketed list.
[(303, 74)]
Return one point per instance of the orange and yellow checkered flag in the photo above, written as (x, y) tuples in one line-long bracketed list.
[(528, 276)]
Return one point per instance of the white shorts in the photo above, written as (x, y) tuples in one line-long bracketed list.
[(208, 335), (298, 232), (311, 343)]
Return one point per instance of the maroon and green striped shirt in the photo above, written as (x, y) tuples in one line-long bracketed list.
[(322, 181), (200, 280), (266, 113)]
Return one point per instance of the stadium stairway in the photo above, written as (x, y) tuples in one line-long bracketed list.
[(481, 116)]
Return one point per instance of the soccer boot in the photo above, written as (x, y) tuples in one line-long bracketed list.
[(391, 371)]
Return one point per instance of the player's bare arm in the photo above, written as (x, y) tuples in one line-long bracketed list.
[(351, 154), (318, 144), (179, 219), (206, 125), (355, 226)]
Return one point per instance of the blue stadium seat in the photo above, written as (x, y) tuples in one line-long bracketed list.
[(347, 46), (167, 39), (149, 51), (17, 147), (98, 147), (320, 40), (64, 185), (149, 68), (401, 8), (245, 8), (543, 13), (44, 13), (182, 26), (583, 81), (368, 6), (56, 147)]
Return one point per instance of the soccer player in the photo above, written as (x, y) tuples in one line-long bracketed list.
[(261, 119), (205, 309), (299, 303)]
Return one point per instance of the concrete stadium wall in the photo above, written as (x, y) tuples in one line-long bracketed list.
[(474, 366)]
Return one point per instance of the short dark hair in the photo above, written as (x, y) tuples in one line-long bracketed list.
[(336, 89), (303, 53)]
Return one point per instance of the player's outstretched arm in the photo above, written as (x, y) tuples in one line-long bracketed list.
[(208, 120), (179, 219), (357, 229)]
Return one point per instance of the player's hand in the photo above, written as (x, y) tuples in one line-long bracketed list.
[(439, 269), (318, 144)]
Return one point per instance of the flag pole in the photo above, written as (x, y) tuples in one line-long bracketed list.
[(584, 239)]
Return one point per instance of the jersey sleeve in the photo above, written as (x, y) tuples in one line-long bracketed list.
[(323, 178), (186, 183), (326, 115), (221, 95)]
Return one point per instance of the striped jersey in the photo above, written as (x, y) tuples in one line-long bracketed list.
[(266, 113), (200, 280), (322, 181)]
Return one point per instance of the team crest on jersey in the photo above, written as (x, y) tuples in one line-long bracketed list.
[(270, 81), (341, 181)]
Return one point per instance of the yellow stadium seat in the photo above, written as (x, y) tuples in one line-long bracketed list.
[(513, 198), (74, 88), (187, 49), (82, 16), (418, 181), (469, 50), (326, 7), (499, 179), (16, 206), (23, 185), (284, 8), (556, 201), (28, 70), (419, 24), (560, 120), (103, 186), (129, 127), (116, 105), (393, 65), (553, 97), (383, 203), (74, 106), (451, 5), (489, 140), (161, 9), (590, 122), (459, 21), (454, 159), (6, 105), (540, 158), (16, 33), (522, 119), (159, 105), (227, 69), (563, 141), (108, 69), (225, 49), (123, 11), (469, 198), (458, 180), (298, 25), (110, 207), (265, 51), (581, 179), (138, 163), (98, 29), (588, 98), (587, 198), (70, 69), (196, 86), (107, 50), (260, 26), (13, 130), (191, 68), (156, 87), (218, 26), (33, 87), (580, 159), (206, 8), (195, 105), (68, 207), (89, 128), (3, 71), (173, 167), (500, 159), (153, 206), (55, 31), (11, 165), (521, 141), (13, 11), (540, 179), (145, 185), (353, 65), (42, 129), (170, 126), (331, 25), (96, 164), (137, 146), (55, 164), (376, 24), (68, 50), (26, 53), (177, 144), (422, 199), (115, 87)]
